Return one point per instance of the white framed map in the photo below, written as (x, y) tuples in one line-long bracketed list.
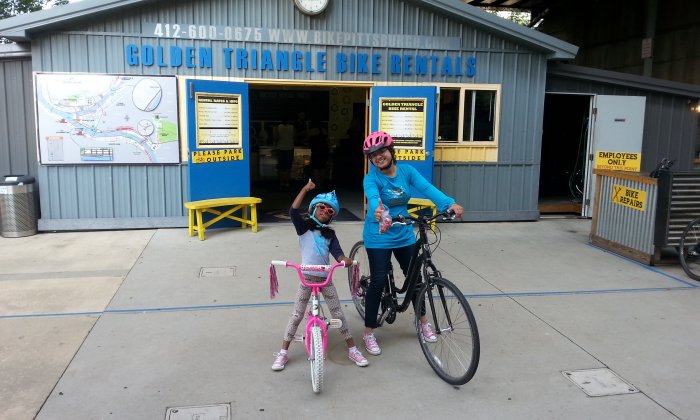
[(106, 119)]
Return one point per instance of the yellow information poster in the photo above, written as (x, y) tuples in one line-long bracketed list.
[(629, 197), (404, 119), (218, 120), (618, 161), (219, 155)]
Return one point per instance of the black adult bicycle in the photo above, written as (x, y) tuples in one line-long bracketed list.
[(455, 354), (689, 249)]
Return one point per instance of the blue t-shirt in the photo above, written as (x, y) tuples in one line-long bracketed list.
[(395, 193)]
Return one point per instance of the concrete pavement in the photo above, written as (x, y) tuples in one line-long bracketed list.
[(126, 324)]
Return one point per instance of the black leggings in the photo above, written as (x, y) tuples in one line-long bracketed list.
[(379, 265)]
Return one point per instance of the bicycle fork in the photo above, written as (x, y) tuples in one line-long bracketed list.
[(442, 301), (315, 317)]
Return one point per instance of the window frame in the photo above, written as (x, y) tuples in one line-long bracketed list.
[(460, 141)]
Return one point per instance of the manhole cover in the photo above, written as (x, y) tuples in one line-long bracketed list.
[(199, 412), (217, 272), (599, 382)]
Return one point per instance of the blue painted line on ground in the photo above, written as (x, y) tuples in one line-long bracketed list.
[(687, 286), (644, 266), (290, 303)]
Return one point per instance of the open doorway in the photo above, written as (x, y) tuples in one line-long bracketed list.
[(564, 147), (301, 132)]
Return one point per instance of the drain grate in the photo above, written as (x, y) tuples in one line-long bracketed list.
[(599, 382), (199, 412), (217, 272)]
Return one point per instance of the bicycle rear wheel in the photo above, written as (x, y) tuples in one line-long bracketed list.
[(455, 354), (359, 253), (689, 251), (316, 360)]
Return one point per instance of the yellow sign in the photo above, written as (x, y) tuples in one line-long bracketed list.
[(634, 199), (218, 155), (410, 154), (218, 119), (618, 161), (404, 119)]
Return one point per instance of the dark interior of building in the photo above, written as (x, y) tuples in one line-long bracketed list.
[(564, 141), (329, 126)]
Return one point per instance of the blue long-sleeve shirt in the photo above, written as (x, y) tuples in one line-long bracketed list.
[(395, 193)]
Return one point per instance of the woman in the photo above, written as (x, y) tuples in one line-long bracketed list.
[(388, 187)]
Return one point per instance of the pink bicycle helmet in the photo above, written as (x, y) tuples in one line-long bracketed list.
[(377, 140)]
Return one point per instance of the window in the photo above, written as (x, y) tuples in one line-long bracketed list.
[(477, 108)]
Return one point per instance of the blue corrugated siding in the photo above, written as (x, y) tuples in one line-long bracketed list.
[(503, 191)]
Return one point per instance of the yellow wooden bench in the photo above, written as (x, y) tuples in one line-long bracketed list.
[(235, 204), (417, 204)]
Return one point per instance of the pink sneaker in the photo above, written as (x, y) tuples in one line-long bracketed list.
[(280, 361), (428, 334), (357, 357), (371, 344)]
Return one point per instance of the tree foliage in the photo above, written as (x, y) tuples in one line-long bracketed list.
[(518, 16), (9, 8)]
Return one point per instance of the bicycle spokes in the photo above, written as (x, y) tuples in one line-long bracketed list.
[(455, 354)]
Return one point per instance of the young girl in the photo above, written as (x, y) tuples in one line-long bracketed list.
[(317, 240)]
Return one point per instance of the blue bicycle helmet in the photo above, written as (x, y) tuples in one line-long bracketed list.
[(328, 198)]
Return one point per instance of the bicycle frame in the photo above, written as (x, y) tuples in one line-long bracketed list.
[(421, 262), (313, 314)]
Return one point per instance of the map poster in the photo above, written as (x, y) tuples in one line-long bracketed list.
[(106, 119), (404, 119), (218, 120)]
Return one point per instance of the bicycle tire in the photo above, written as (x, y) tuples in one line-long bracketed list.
[(688, 252), (455, 354), (359, 253), (316, 360)]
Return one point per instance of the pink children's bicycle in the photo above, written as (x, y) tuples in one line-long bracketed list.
[(315, 334)]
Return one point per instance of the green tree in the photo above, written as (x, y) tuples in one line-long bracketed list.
[(518, 16), (9, 8)]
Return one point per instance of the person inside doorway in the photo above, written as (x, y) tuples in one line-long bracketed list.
[(320, 152), (301, 127), (284, 141)]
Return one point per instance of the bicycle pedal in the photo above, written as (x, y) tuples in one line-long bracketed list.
[(335, 323), (298, 338)]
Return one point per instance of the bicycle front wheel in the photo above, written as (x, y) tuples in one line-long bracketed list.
[(316, 358), (689, 251), (454, 355), (359, 253)]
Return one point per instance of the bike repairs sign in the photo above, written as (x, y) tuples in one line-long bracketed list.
[(629, 197), (618, 161)]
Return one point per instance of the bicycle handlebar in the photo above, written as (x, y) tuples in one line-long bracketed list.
[(309, 267), (409, 220)]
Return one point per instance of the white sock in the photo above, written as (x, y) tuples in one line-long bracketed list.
[(352, 349), (283, 352)]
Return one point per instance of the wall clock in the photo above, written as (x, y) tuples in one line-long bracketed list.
[(311, 7)]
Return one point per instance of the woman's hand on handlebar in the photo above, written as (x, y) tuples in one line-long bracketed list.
[(346, 260), (457, 209)]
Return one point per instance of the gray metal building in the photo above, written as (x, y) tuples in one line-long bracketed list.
[(496, 178)]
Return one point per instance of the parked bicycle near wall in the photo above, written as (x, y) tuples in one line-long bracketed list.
[(689, 249), (454, 353)]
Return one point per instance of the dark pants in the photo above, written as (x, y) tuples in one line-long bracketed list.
[(379, 265)]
